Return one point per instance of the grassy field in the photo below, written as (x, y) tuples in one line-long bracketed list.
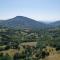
[(53, 57), (29, 43)]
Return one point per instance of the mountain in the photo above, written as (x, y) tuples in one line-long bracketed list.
[(55, 24), (22, 22)]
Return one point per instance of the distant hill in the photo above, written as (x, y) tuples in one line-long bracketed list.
[(55, 24), (25, 22), (22, 22)]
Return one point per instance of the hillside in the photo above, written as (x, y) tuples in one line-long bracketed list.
[(23, 22), (55, 24)]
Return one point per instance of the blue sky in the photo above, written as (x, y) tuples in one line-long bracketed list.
[(41, 10)]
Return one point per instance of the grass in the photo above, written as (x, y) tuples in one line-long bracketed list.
[(53, 57), (29, 43)]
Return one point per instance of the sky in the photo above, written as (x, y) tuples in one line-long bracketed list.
[(40, 10)]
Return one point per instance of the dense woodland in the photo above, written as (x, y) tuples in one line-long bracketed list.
[(26, 44)]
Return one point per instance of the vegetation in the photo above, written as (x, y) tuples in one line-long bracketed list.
[(16, 44)]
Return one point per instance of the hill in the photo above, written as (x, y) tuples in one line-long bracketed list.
[(22, 22), (55, 24)]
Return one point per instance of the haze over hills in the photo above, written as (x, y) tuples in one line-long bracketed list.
[(25, 22)]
